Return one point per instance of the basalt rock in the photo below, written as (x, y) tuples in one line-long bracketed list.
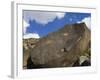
[(61, 48)]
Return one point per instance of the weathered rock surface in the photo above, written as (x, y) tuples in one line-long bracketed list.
[(27, 45), (60, 48)]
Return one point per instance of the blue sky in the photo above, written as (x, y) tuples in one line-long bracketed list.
[(38, 24)]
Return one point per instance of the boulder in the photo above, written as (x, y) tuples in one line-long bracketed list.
[(61, 48)]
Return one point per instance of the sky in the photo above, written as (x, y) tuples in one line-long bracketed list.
[(37, 24)]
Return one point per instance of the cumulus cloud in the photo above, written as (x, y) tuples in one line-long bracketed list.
[(25, 25), (42, 17), (60, 15), (87, 21), (31, 35)]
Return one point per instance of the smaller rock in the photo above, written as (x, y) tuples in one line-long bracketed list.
[(83, 60)]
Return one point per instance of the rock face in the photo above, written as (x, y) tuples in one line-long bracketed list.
[(27, 45), (60, 48)]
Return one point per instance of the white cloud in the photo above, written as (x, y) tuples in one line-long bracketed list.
[(60, 15), (87, 21), (25, 24), (31, 35), (42, 17)]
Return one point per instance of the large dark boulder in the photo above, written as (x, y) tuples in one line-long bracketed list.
[(61, 48)]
